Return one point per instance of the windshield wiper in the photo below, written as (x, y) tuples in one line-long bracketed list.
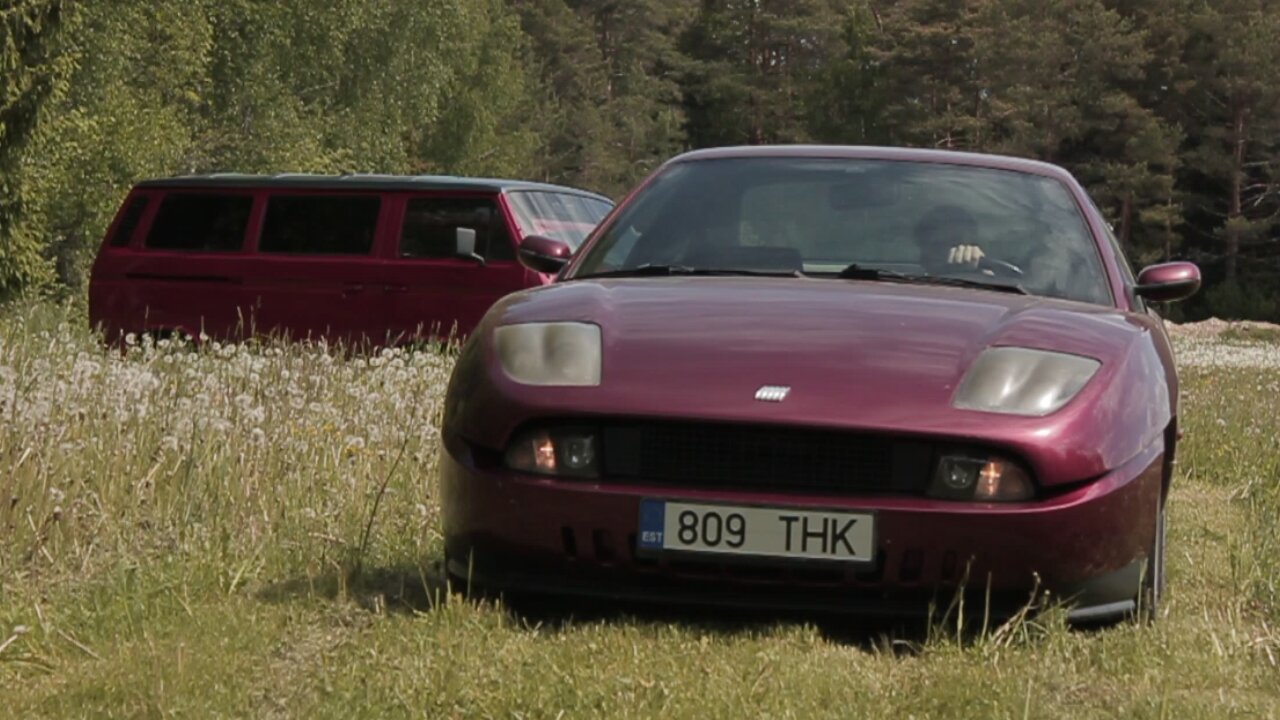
[(863, 272), (996, 285), (859, 272), (652, 270)]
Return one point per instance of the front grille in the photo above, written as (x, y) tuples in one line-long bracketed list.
[(786, 459)]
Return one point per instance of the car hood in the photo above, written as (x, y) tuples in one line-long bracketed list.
[(868, 355), (863, 345)]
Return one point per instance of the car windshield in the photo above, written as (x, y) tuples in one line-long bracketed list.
[(559, 216), (892, 220)]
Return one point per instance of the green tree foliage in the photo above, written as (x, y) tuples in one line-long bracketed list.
[(181, 86), (1233, 59), (1168, 110), (1061, 82), (753, 65), (928, 50), (33, 73), (851, 99), (610, 108)]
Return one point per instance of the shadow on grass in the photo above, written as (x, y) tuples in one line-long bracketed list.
[(401, 588), (553, 615), (412, 589)]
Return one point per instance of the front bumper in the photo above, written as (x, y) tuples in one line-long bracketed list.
[(509, 532)]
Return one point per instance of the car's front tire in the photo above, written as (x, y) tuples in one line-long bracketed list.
[(1151, 590)]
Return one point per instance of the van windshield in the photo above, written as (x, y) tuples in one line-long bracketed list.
[(560, 216)]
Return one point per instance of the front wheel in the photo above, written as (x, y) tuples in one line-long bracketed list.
[(1151, 591)]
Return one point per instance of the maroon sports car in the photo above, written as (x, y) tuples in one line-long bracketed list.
[(855, 379)]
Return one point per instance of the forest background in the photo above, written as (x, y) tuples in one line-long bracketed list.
[(1167, 110)]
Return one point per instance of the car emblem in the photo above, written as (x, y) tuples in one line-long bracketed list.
[(772, 393)]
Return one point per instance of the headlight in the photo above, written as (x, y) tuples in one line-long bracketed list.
[(564, 451), (980, 478), (559, 353), (1021, 381)]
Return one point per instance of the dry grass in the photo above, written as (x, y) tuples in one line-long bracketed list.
[(181, 532)]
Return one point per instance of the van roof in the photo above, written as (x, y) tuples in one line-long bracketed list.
[(358, 182)]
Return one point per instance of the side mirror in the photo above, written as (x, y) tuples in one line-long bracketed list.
[(544, 255), (465, 244), (1168, 282)]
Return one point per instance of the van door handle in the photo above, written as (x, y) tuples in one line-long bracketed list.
[(352, 288), (396, 288)]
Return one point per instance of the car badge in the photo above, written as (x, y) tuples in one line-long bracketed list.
[(772, 393)]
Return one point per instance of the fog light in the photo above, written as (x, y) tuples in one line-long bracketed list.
[(980, 479), (578, 451), (554, 452), (956, 477)]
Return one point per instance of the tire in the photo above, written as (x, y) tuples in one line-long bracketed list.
[(1151, 591)]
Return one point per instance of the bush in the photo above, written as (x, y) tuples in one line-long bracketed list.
[(1233, 301)]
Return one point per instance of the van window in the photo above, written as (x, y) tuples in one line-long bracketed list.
[(560, 216), (200, 223), (430, 226), (129, 221), (320, 224)]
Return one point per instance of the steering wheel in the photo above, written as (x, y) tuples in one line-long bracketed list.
[(1001, 268)]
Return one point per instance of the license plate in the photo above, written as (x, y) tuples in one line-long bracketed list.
[(757, 531)]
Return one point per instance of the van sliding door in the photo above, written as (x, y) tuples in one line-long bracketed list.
[(316, 272)]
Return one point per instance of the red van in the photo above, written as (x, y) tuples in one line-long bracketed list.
[(382, 259)]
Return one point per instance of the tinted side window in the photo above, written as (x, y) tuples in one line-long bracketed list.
[(210, 223), (430, 226), (320, 224), (129, 221)]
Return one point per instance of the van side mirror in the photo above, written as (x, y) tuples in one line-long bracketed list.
[(544, 255), (1168, 282), (465, 244)]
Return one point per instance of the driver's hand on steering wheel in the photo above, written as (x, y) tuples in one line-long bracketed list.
[(969, 255)]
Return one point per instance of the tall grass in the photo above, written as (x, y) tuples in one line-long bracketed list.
[(1232, 391), (192, 532), (265, 459)]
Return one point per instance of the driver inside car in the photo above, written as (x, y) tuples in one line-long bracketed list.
[(947, 237)]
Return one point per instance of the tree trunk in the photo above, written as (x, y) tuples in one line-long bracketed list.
[(1235, 209), (1126, 220)]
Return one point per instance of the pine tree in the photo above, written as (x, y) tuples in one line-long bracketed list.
[(850, 100), (1062, 83), (611, 107), (1233, 57), (753, 65), (928, 50), (637, 42)]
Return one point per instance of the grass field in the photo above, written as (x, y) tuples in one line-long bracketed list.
[(206, 534)]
